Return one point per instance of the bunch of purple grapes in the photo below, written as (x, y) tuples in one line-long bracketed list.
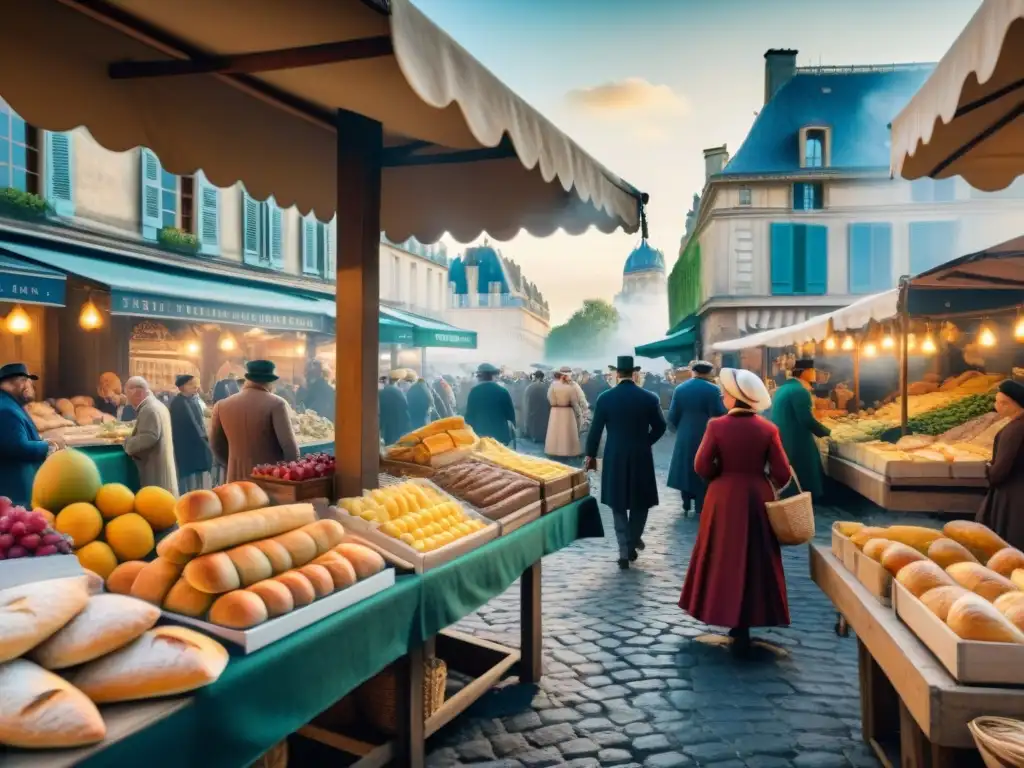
[(27, 534)]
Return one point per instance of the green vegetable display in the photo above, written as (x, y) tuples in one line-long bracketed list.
[(953, 415)]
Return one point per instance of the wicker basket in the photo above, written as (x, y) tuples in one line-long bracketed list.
[(792, 519), (1000, 741), (379, 697), (275, 757)]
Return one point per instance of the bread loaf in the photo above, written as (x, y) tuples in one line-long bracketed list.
[(107, 622), (164, 661), (341, 570), (941, 599), (275, 596), (848, 527), (1017, 577), (155, 581), (229, 531), (240, 609), (185, 599), (1006, 561), (972, 617), (980, 580), (255, 497), (865, 534), (199, 505), (319, 577), (167, 548), (365, 561), (241, 566), (302, 591), (122, 578), (94, 582), (38, 709), (946, 552), (30, 613), (980, 539), (923, 575), (1011, 605), (232, 499), (915, 536)]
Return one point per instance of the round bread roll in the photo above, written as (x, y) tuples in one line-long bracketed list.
[(980, 539), (255, 497), (947, 552), (214, 573), (1011, 605), (941, 599), (187, 600), (167, 548), (326, 534), (923, 575), (897, 555), (275, 595), (980, 580), (302, 591), (232, 498), (300, 546), (1017, 577), (363, 559), (341, 570), (123, 576), (875, 548), (198, 505), (320, 578), (1006, 561), (155, 580), (279, 557), (972, 617), (240, 609), (251, 563)]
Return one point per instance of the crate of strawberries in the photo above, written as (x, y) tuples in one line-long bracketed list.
[(309, 477), (30, 549)]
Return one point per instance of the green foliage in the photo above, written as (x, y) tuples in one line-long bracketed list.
[(178, 240), (589, 325), (685, 290), (953, 415), (14, 202)]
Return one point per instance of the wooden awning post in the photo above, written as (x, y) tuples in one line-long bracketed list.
[(904, 353), (356, 435)]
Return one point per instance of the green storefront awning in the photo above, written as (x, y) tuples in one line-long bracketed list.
[(28, 283), (427, 332), (394, 332), (679, 344)]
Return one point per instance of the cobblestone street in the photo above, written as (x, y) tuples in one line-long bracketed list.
[(625, 684)]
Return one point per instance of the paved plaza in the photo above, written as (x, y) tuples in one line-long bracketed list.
[(625, 685)]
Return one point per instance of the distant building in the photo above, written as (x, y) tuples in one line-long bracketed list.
[(643, 277)]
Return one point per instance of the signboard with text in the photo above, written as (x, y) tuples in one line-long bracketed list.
[(145, 305), (32, 289)]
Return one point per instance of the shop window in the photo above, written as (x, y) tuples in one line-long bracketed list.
[(870, 259), (19, 152), (744, 195), (933, 190), (808, 196), (799, 259), (931, 243), (188, 201), (318, 248), (815, 151), (262, 233)]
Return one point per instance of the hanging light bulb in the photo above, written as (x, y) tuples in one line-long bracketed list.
[(830, 344), (227, 342), (1018, 329), (888, 342), (911, 342), (192, 348), (18, 322), (300, 349), (986, 337), (848, 344), (928, 345), (90, 318), (870, 349)]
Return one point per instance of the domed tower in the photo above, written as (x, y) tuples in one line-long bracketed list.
[(643, 275)]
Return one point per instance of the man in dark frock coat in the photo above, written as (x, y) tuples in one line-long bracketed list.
[(421, 403), (694, 403), (22, 450), (193, 457), (1003, 508), (393, 410), (793, 414), (489, 410), (536, 409), (635, 422)]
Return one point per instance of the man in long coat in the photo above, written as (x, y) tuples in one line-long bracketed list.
[(421, 403), (192, 455), (694, 403), (393, 410), (151, 444), (490, 411), (318, 394), (536, 409), (793, 414), (22, 450), (635, 422)]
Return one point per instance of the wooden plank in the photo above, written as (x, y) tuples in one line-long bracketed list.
[(465, 698), (468, 655), (410, 721), (531, 643), (879, 702), (914, 746), (356, 438)]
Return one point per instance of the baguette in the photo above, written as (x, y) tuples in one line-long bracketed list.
[(229, 531), (247, 564), (155, 581), (38, 709)]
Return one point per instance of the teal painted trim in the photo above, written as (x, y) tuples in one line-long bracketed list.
[(310, 251), (275, 235), (251, 230), (149, 186), (60, 181), (782, 259), (207, 204)]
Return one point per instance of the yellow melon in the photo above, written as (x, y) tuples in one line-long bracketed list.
[(130, 537), (64, 478), (156, 506), (97, 557), (81, 521), (115, 499)]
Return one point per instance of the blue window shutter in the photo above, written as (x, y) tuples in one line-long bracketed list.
[(310, 251), (207, 204), (60, 188), (275, 234), (860, 258), (782, 259), (251, 227), (798, 196), (817, 260), (149, 170), (881, 257), (331, 248)]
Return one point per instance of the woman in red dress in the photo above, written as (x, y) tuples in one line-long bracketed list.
[(735, 578)]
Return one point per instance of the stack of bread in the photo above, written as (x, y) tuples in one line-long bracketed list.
[(239, 567), (493, 490), (426, 444), (965, 574), (64, 650), (529, 466)]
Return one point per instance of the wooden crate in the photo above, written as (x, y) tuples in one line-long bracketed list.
[(404, 468), (556, 500), (844, 549), (290, 491), (873, 576), (581, 490)]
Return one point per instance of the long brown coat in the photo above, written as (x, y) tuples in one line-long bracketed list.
[(152, 447), (1003, 508), (250, 428)]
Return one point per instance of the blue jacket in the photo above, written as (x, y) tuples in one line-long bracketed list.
[(22, 451), (635, 423), (393, 413), (694, 404), (490, 412)]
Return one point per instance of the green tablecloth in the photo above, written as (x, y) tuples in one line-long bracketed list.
[(262, 698), (114, 464)]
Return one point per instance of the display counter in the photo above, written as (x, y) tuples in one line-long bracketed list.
[(262, 698), (913, 713)]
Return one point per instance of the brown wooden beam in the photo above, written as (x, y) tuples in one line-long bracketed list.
[(399, 152), (503, 151), (261, 61)]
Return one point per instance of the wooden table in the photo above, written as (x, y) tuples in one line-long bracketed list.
[(940, 495), (909, 703)]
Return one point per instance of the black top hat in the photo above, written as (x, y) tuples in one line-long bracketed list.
[(260, 371), (487, 368), (1013, 390), (13, 370), (803, 365), (624, 364), (182, 379)]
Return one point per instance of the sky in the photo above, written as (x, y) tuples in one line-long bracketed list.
[(646, 85)]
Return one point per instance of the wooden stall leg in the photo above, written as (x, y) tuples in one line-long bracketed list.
[(411, 717), (914, 746), (531, 664), (879, 703)]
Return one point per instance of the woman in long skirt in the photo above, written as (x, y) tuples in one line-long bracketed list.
[(735, 578)]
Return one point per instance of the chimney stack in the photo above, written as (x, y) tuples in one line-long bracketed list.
[(715, 160), (779, 68)]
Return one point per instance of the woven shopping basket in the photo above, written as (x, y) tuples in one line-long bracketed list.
[(1000, 741), (791, 519), (379, 696)]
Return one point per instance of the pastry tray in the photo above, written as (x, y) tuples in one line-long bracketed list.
[(262, 635), (25, 570), (547, 487), (507, 506)]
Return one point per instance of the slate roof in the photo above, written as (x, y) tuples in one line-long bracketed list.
[(644, 258), (857, 104), (492, 268)]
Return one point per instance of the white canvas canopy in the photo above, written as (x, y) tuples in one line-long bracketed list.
[(966, 120), (879, 306)]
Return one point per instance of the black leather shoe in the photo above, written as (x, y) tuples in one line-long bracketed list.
[(623, 564), (633, 555), (640, 545)]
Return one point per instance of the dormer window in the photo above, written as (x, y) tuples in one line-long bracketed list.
[(815, 151)]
